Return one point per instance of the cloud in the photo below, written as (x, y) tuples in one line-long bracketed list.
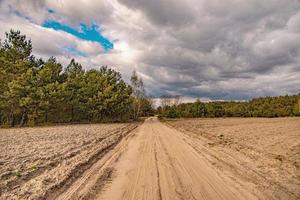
[(165, 12), (73, 51), (229, 49)]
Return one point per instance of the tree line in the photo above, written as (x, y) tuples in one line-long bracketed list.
[(33, 90), (279, 106)]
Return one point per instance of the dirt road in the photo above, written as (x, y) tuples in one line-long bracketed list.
[(155, 162)]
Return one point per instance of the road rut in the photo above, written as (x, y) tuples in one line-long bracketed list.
[(160, 164)]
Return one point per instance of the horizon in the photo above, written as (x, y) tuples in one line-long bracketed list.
[(211, 50)]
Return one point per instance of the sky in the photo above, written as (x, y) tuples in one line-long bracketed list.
[(207, 49)]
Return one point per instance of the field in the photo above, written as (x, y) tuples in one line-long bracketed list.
[(261, 151), (224, 158), (36, 161)]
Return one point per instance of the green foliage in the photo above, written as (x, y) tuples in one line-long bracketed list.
[(280, 106), (16, 66), (35, 91), (146, 107), (141, 105)]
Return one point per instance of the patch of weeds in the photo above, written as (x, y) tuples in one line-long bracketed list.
[(18, 174), (34, 167)]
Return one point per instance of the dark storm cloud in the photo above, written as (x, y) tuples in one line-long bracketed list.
[(223, 43), (229, 49), (165, 12)]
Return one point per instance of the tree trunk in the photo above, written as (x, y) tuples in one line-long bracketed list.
[(72, 114), (23, 118), (46, 116), (35, 117), (11, 119), (138, 109), (134, 112)]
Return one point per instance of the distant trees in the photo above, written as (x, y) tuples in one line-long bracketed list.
[(36, 91), (169, 100), (138, 92), (280, 106), (142, 105), (72, 88)]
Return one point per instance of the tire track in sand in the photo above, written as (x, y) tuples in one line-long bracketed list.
[(159, 164)]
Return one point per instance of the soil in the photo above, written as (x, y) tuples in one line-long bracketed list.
[(161, 164), (262, 151), (234, 158), (34, 162)]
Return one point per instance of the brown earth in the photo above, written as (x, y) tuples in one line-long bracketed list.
[(262, 151), (34, 162), (161, 164), (182, 159)]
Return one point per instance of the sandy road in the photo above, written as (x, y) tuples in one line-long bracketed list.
[(154, 162), (160, 165)]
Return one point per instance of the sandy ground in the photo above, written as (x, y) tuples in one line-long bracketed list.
[(182, 159), (263, 152), (34, 162), (160, 164)]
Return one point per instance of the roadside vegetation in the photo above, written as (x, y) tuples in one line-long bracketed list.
[(36, 91), (280, 106)]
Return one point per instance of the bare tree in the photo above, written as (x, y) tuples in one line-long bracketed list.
[(138, 93), (165, 100), (176, 100), (169, 100)]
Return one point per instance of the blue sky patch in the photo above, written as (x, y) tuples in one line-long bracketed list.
[(89, 33), (74, 51), (50, 11)]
